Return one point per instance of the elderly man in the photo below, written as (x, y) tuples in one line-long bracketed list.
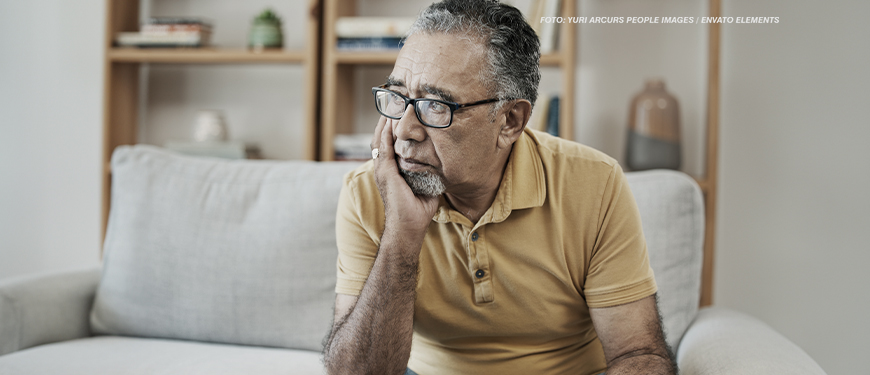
[(472, 245)]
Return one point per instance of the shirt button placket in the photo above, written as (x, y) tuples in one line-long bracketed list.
[(482, 283), (480, 273)]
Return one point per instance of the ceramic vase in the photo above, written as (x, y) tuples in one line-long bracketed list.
[(210, 127), (653, 129)]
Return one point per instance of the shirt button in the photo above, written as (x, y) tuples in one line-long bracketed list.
[(474, 237), (479, 274)]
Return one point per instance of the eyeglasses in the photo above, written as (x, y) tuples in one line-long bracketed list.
[(431, 112)]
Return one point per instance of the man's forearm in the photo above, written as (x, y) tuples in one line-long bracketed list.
[(375, 336), (651, 364)]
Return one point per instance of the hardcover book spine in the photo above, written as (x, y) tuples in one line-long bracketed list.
[(370, 27), (178, 21), (175, 28), (553, 117), (367, 44)]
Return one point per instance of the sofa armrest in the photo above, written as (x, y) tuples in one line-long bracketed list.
[(46, 308), (724, 342)]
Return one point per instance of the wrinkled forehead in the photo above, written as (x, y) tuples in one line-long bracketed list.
[(451, 67)]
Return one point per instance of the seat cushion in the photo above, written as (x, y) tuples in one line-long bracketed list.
[(672, 211), (112, 355), (238, 252)]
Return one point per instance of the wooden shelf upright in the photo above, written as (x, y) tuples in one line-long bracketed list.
[(710, 182)]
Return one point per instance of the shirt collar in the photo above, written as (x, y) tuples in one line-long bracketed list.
[(522, 186)]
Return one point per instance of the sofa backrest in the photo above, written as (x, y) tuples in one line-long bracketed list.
[(239, 252), (672, 211), (243, 252)]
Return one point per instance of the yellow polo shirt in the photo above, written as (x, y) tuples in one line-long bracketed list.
[(511, 294)]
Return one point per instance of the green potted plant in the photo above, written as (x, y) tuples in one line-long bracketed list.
[(266, 31)]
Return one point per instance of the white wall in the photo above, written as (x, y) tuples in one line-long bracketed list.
[(793, 214), (263, 104), (794, 211), (793, 230), (616, 59), (50, 134)]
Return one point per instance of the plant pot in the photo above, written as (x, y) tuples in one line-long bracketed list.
[(265, 35)]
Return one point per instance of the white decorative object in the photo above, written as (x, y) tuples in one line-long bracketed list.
[(210, 127)]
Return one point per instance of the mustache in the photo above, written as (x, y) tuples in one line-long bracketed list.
[(408, 152)]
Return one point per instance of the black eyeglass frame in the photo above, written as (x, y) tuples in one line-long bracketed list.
[(408, 101)]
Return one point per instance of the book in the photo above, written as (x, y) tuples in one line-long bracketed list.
[(553, 117), (352, 146), (174, 28), (549, 30), (538, 119), (368, 44), (168, 32), (370, 27), (178, 21), (168, 40), (225, 150)]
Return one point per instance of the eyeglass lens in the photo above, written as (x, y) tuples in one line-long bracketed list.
[(431, 112)]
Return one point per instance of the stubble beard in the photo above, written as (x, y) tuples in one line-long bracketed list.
[(425, 184)]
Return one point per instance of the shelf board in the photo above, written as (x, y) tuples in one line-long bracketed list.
[(551, 59), (389, 58), (202, 56), (366, 57)]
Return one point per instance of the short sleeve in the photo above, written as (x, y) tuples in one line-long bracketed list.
[(357, 233), (619, 269)]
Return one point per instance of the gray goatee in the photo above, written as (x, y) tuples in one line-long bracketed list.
[(423, 183)]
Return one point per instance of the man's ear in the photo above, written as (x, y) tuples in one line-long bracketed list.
[(516, 116)]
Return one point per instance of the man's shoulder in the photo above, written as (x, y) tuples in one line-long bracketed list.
[(361, 181), (362, 171), (558, 153)]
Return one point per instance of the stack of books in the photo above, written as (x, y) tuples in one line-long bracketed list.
[(371, 33), (352, 147), (225, 150), (168, 32)]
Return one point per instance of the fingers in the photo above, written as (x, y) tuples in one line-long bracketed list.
[(376, 137), (386, 143), (386, 161)]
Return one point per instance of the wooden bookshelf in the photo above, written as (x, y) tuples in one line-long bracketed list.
[(338, 70), (329, 75), (121, 78)]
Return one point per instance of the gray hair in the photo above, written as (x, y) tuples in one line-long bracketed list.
[(513, 49)]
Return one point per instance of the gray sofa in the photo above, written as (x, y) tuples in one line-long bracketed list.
[(228, 267)]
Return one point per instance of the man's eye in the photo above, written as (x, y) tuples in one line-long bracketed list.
[(435, 107)]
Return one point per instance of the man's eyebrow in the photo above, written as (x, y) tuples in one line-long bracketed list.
[(432, 90), (395, 82), (439, 92)]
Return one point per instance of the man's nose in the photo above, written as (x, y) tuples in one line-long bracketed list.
[(409, 128)]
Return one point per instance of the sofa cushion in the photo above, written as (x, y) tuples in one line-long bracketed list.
[(239, 252), (111, 355), (672, 211)]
